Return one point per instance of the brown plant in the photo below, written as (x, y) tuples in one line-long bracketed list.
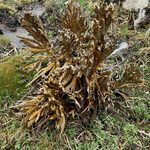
[(76, 81)]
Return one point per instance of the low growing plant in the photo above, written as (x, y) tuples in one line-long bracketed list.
[(74, 78)]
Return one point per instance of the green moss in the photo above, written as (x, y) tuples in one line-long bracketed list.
[(11, 4), (21, 2), (13, 79), (4, 41), (2, 5), (10, 79)]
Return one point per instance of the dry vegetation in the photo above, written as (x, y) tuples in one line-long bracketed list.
[(92, 100), (77, 80)]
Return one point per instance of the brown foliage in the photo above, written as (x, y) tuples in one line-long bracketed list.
[(76, 80)]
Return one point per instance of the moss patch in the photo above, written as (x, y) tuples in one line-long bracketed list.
[(4, 41), (10, 82)]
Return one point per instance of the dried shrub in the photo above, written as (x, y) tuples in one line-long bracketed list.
[(76, 80)]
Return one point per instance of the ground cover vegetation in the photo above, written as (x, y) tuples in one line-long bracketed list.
[(68, 94)]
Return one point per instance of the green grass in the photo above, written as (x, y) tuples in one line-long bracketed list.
[(108, 132)]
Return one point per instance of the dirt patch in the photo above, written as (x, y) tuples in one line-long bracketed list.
[(10, 23)]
